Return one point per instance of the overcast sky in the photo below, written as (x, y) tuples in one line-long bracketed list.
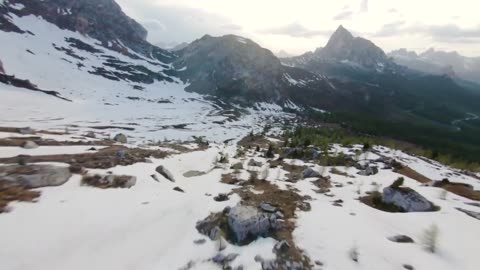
[(298, 26)]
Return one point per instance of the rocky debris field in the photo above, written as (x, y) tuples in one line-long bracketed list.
[(246, 205)]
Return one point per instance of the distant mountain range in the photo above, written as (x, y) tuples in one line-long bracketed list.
[(349, 75), (441, 63)]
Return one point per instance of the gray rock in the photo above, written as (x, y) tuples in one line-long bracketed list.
[(26, 131), (35, 176), (368, 171), (215, 233), (222, 244), (279, 215), (401, 239), (247, 221), (219, 258), (30, 145), (91, 134), (267, 208), (407, 199), (269, 265), (258, 258), (408, 267), (121, 138), (237, 166), (193, 174), (200, 241), (310, 173), (165, 173), (282, 246), (254, 163), (470, 213)]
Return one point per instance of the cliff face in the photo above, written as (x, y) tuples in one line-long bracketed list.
[(100, 19)]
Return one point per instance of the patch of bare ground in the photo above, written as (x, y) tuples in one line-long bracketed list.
[(324, 184), (338, 172), (10, 192), (252, 141), (20, 141), (109, 181), (201, 146), (460, 189), (410, 173), (295, 172), (28, 131), (230, 179), (374, 200), (286, 201), (103, 159)]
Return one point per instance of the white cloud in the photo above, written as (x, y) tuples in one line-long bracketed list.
[(186, 20)]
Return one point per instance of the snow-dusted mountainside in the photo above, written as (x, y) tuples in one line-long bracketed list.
[(116, 154), (106, 86), (438, 62)]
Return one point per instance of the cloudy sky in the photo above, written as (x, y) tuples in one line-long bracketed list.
[(297, 26)]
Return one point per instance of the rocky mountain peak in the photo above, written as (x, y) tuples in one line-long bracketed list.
[(103, 20), (343, 46)]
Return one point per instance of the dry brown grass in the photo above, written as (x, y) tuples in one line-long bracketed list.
[(103, 159), (409, 172), (10, 193)]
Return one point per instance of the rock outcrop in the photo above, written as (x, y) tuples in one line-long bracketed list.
[(35, 176), (247, 222), (407, 199)]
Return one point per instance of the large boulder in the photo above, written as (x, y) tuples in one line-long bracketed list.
[(407, 199), (35, 176), (247, 222), (121, 138)]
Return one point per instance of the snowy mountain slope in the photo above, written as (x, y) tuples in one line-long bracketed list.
[(107, 88)]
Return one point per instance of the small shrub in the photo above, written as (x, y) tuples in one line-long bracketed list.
[(398, 183), (430, 238), (353, 253)]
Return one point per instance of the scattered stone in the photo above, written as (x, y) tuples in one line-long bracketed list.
[(319, 263), (121, 138), (237, 166), (91, 134), (269, 265), (279, 215), (310, 173), (35, 176), (190, 174), (221, 197), (247, 221), (407, 199), (222, 244), (78, 169), (165, 173), (226, 210), (109, 181), (401, 239), (92, 149), (200, 241), (26, 131), (470, 213), (154, 176), (254, 163), (178, 189), (408, 267), (258, 258), (30, 145), (267, 208), (368, 171), (282, 246)]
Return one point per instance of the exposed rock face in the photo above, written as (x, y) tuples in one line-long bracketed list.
[(239, 70), (247, 221), (101, 19), (35, 176), (407, 199), (344, 46)]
